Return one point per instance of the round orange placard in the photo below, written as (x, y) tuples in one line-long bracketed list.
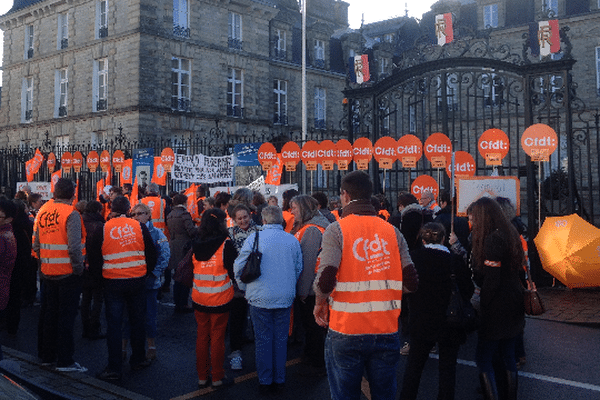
[(423, 183), (77, 161), (464, 165), (290, 153), (327, 155), (267, 155), (167, 158), (66, 161), (105, 160), (409, 146), (384, 152), (51, 162), (438, 150), (363, 152), (93, 160), (539, 141), (344, 154), (309, 155), (493, 146), (118, 160)]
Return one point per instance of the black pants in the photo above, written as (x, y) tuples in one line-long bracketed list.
[(314, 339), (418, 355), (238, 315)]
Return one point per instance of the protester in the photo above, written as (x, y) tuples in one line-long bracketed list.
[(447, 215), (245, 196), (311, 224), (129, 255), (322, 202), (352, 280), (222, 200), (143, 214), (427, 201), (259, 202), (92, 296), (435, 265), (273, 201), (288, 217), (31, 275), (214, 254), (181, 230), (497, 256), (158, 206), (58, 242), (8, 249), (244, 226), (271, 295)]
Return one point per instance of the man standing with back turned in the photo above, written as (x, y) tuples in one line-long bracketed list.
[(364, 267)]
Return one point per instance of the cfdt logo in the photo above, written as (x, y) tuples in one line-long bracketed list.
[(366, 249), (122, 232)]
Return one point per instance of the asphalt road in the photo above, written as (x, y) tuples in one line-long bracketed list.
[(562, 363)]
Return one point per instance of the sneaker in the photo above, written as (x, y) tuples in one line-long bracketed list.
[(405, 349), (75, 367), (236, 363), (203, 383)]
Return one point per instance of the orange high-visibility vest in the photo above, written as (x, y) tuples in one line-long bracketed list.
[(212, 285), (157, 205), (51, 227), (336, 214), (367, 296), (123, 249), (301, 233), (288, 217)]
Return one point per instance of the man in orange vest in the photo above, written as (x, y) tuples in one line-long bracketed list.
[(59, 243), (159, 208), (129, 255), (364, 268), (427, 200)]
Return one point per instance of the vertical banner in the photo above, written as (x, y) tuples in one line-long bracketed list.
[(443, 29), (159, 176), (361, 68), (142, 165)]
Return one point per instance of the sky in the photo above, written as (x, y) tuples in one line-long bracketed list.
[(373, 10)]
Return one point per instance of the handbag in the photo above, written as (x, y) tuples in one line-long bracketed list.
[(532, 299), (184, 272), (460, 313), (251, 271)]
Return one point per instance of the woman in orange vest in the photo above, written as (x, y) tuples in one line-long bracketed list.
[(311, 224), (212, 293), (285, 207)]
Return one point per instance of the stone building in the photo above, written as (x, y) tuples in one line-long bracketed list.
[(81, 69)]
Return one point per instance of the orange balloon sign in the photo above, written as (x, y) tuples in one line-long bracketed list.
[(290, 155), (539, 141), (384, 152), (409, 150), (105, 160), (464, 165), (267, 155), (118, 160), (309, 155), (93, 160), (363, 152), (438, 150), (77, 161), (493, 146), (51, 162), (423, 183), (327, 155), (66, 161), (344, 154), (167, 158)]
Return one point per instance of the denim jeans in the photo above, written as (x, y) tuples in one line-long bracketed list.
[(487, 350), (348, 356), (60, 299), (271, 327), (121, 294)]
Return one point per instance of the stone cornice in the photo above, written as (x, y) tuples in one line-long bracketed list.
[(37, 10)]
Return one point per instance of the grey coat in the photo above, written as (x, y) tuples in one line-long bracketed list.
[(181, 230), (311, 246)]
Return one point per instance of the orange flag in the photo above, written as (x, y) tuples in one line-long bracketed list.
[(133, 200), (192, 207), (29, 170), (126, 171), (99, 188), (76, 199), (55, 177), (159, 176), (274, 174)]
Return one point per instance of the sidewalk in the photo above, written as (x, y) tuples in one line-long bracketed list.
[(574, 306)]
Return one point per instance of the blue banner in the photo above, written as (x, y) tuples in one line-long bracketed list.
[(143, 165), (247, 154)]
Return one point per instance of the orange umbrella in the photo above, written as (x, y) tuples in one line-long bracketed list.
[(569, 248)]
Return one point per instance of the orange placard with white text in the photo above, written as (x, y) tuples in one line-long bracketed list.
[(384, 152), (493, 146), (344, 154), (167, 158), (438, 150), (105, 161), (423, 183), (539, 141), (327, 155), (267, 155), (464, 165), (309, 155), (66, 161), (363, 152), (290, 155), (77, 161)]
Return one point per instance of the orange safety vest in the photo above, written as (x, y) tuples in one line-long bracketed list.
[(336, 214), (367, 296), (123, 249), (384, 214), (212, 285), (157, 205), (51, 227), (301, 233), (288, 217)]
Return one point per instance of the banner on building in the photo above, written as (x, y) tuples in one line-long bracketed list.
[(544, 37), (247, 154), (444, 31), (361, 68), (202, 169)]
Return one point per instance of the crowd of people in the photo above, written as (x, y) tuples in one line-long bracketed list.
[(354, 276)]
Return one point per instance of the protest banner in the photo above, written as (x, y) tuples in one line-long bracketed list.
[(199, 168), (42, 188), (473, 188)]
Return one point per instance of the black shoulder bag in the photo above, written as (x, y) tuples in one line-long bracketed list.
[(251, 270), (460, 313)]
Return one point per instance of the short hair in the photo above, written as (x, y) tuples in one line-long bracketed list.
[(33, 197), (308, 205), (116, 189), (221, 199), (80, 206), (272, 215), (120, 205), (179, 199), (21, 195), (210, 200), (358, 185), (93, 207), (321, 199), (445, 196), (258, 198), (153, 188), (143, 207), (239, 207), (287, 196), (406, 198), (8, 207), (433, 232), (243, 195), (64, 189)]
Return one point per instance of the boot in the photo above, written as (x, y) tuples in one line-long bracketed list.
[(151, 353), (488, 387), (511, 385)]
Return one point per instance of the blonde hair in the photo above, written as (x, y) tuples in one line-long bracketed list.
[(143, 207)]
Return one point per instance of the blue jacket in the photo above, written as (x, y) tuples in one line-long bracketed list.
[(164, 254), (280, 268)]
